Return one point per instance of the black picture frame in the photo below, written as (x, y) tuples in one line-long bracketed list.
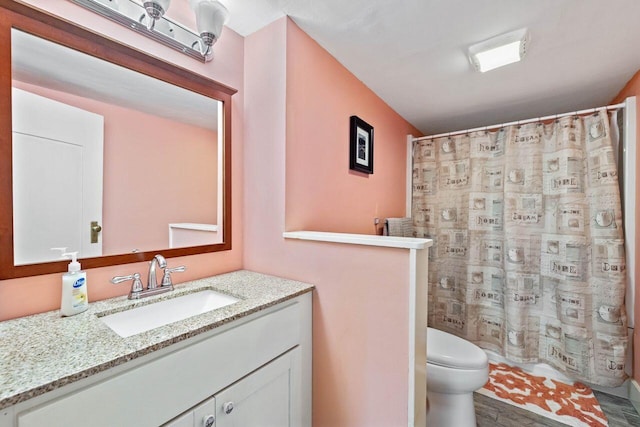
[(361, 145)]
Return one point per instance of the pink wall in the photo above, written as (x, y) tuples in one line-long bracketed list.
[(20, 297), (181, 188), (632, 88), (298, 103), (139, 205), (321, 192)]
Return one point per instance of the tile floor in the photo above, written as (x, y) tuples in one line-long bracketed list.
[(493, 413)]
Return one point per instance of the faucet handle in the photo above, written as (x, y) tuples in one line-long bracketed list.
[(166, 279), (136, 286)]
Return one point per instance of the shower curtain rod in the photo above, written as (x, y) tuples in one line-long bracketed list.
[(521, 122)]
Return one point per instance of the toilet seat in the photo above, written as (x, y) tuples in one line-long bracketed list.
[(447, 350)]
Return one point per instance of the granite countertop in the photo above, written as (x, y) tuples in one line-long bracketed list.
[(45, 351)]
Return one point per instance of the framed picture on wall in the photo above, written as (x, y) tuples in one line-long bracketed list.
[(361, 146)]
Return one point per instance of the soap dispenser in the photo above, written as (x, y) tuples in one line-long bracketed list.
[(74, 286)]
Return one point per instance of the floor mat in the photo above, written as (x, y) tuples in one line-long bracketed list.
[(571, 404)]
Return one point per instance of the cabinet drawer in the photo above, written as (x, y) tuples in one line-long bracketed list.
[(153, 393)]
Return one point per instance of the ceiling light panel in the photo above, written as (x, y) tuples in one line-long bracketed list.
[(499, 51)]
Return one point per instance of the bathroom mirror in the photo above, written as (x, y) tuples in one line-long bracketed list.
[(105, 150)]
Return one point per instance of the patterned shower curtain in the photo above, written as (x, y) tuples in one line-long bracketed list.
[(528, 257)]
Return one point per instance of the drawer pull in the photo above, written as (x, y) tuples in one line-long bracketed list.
[(228, 407)]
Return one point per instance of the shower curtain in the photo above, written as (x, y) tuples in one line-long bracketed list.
[(528, 256)]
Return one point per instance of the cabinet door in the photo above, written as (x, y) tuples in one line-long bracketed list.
[(262, 399), (204, 414), (184, 420)]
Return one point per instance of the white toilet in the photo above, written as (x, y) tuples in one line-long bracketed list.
[(455, 369)]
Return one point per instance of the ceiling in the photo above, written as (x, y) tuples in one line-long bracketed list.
[(412, 53)]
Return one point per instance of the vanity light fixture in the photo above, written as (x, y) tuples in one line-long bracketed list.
[(148, 17), (500, 50)]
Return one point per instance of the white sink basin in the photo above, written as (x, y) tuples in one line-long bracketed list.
[(150, 316)]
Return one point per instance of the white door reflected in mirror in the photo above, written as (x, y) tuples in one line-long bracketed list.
[(57, 178)]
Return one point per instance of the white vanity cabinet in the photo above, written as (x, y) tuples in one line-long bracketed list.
[(253, 371), (264, 398)]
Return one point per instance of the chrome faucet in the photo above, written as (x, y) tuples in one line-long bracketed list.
[(153, 288), (152, 281)]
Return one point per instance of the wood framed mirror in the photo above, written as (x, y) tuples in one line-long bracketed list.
[(105, 150)]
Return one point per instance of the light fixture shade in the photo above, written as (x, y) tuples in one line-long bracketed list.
[(164, 4), (500, 50), (155, 10), (211, 15), (161, 6)]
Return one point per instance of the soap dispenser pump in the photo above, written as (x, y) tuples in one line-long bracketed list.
[(74, 286)]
